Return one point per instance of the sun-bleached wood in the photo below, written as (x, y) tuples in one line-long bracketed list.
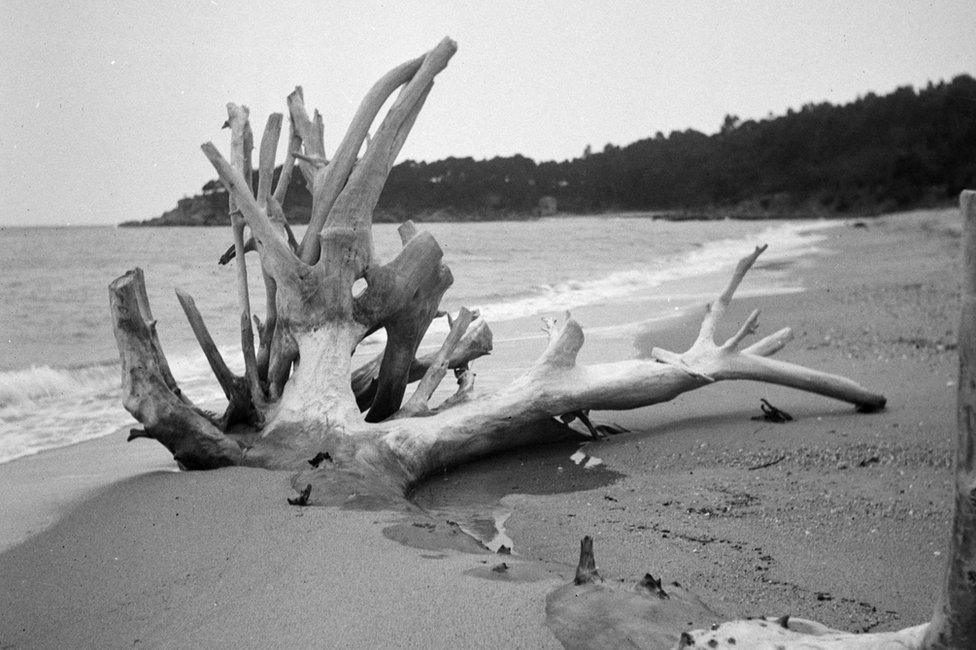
[(708, 361), (242, 143), (475, 343), (319, 399), (308, 399), (417, 404), (311, 160), (796, 634), (557, 385), (240, 408)]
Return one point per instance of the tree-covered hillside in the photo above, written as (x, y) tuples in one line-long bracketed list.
[(906, 149)]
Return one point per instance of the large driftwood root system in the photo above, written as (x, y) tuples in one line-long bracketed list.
[(300, 399)]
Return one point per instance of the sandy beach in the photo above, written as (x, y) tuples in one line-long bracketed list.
[(836, 516)]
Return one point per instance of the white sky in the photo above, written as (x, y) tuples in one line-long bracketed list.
[(103, 105)]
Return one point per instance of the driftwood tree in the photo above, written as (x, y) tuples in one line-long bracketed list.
[(300, 400)]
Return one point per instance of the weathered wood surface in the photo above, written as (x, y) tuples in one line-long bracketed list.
[(299, 396), (149, 391)]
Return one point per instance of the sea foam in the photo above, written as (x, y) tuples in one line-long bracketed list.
[(45, 407), (27, 386), (785, 241)]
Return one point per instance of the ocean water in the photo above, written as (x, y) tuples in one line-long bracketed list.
[(59, 373)]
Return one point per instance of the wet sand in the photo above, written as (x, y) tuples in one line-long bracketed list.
[(837, 516)]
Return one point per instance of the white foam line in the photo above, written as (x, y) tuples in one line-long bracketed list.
[(786, 242)]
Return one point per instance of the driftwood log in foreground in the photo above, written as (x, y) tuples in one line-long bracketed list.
[(299, 398)]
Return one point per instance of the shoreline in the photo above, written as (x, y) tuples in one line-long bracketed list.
[(48, 405), (69, 475), (837, 517), (816, 533), (674, 215)]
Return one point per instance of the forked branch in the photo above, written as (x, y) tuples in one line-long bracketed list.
[(239, 405), (347, 196), (708, 361), (241, 146), (556, 385), (417, 404), (475, 343)]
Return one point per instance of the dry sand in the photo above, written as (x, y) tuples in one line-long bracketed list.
[(836, 516)]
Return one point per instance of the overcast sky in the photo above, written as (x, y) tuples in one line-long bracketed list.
[(103, 105)]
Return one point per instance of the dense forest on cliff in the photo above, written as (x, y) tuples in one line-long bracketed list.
[(876, 154)]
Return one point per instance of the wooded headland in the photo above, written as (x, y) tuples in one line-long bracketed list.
[(907, 149)]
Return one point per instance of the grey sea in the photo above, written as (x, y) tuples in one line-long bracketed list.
[(59, 375)]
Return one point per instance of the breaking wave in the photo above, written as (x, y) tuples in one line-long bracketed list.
[(40, 383), (786, 241), (45, 407)]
